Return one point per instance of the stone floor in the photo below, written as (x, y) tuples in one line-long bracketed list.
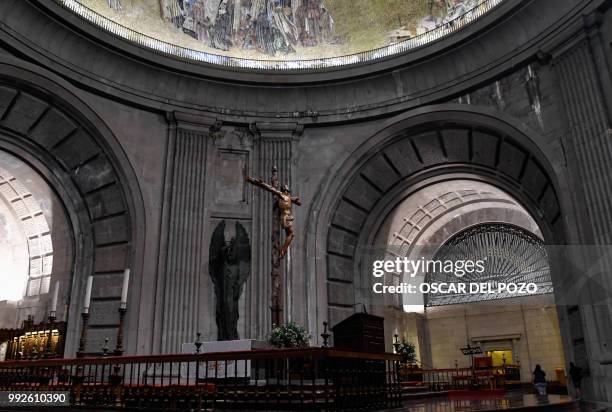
[(508, 402)]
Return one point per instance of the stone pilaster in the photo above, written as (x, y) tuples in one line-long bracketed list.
[(183, 227), (588, 137), (274, 147), (584, 84)]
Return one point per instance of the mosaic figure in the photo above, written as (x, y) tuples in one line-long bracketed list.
[(268, 26), (264, 35), (282, 18), (221, 35), (309, 19), (172, 10), (327, 26), (202, 23), (459, 9), (246, 31), (115, 5)]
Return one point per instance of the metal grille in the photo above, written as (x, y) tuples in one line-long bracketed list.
[(510, 254)]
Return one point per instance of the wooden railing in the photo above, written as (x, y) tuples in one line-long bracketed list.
[(304, 379), (462, 378)]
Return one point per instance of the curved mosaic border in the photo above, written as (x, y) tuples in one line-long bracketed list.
[(117, 29)]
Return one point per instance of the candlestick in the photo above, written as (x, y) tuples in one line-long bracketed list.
[(198, 343), (119, 346), (105, 347), (53, 310), (83, 340), (325, 335), (48, 352), (396, 343), (87, 294), (124, 289)]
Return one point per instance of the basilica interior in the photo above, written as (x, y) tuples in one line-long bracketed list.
[(194, 196)]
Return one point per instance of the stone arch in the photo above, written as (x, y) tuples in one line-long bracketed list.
[(415, 151), (45, 233), (408, 223), (426, 219), (43, 123)]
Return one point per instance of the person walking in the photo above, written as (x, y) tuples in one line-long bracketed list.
[(539, 380), (576, 374)]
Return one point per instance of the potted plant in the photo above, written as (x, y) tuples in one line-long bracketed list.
[(409, 369), (408, 352), (291, 336)]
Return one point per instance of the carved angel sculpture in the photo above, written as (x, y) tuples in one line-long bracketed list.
[(229, 267)]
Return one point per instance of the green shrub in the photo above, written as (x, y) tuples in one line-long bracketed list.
[(408, 352), (289, 336)]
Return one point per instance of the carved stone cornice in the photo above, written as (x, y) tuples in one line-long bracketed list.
[(209, 126), (281, 130)]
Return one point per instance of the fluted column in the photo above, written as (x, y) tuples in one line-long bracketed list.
[(588, 136), (182, 251), (584, 84), (273, 148)]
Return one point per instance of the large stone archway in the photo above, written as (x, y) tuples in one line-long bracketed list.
[(39, 219), (409, 152), (45, 125), (420, 148)]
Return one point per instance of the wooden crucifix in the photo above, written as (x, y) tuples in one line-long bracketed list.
[(282, 217)]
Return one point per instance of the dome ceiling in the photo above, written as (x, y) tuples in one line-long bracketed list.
[(281, 34)]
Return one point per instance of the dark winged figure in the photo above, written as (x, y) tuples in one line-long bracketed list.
[(229, 267)]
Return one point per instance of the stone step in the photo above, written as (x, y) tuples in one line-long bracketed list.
[(407, 396), (416, 389)]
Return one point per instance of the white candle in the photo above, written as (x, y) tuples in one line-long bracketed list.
[(87, 294), (54, 298), (124, 289)]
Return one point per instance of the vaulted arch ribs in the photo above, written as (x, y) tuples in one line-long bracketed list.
[(433, 151)]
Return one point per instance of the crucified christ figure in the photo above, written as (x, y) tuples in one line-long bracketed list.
[(285, 203)]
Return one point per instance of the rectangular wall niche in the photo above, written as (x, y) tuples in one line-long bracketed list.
[(229, 184)]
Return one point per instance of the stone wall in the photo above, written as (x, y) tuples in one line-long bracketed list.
[(521, 99), (531, 329)]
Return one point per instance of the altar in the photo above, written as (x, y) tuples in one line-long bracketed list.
[(221, 369)]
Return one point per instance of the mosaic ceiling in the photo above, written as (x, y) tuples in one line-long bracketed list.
[(281, 34)]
